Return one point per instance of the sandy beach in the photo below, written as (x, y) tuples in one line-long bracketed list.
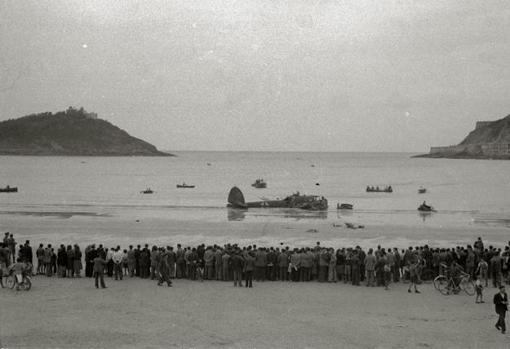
[(135, 313)]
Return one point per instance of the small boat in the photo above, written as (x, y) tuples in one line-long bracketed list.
[(371, 189), (426, 208), (184, 185), (147, 191), (422, 190), (9, 189), (344, 206), (259, 184)]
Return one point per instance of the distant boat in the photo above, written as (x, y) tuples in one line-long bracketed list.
[(147, 191), (184, 185), (344, 206), (259, 184), (9, 189), (426, 208), (371, 189), (422, 191)]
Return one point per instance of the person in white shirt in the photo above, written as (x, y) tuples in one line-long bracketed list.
[(117, 257)]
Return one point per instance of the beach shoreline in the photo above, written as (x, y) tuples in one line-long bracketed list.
[(113, 231)]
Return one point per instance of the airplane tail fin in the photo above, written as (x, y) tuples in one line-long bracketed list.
[(236, 197)]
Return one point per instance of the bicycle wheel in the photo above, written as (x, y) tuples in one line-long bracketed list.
[(441, 284), (10, 282), (467, 286)]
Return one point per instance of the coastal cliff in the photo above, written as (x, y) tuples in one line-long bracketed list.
[(489, 140), (73, 132)]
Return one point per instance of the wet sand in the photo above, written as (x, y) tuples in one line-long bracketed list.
[(135, 313), (140, 229)]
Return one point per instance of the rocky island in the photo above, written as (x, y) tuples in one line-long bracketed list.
[(489, 140), (73, 132)]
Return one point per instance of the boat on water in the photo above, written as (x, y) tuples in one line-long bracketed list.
[(259, 184), (422, 190), (184, 185), (344, 206), (296, 200), (426, 208), (9, 189), (372, 189), (147, 191)]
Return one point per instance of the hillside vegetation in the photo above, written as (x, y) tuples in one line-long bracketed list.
[(70, 132)]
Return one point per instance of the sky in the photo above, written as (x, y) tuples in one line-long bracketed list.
[(263, 75)]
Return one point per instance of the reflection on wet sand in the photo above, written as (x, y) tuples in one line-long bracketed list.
[(296, 214), (424, 215)]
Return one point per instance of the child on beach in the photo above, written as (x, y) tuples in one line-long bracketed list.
[(483, 271), (479, 290)]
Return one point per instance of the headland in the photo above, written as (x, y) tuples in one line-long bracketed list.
[(489, 140), (74, 132)]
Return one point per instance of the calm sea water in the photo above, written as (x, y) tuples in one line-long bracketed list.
[(465, 192)]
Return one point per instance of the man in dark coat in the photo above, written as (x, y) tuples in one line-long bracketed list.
[(237, 263), (164, 268), (501, 303), (99, 264)]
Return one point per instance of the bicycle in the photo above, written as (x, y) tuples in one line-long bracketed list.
[(24, 285), (447, 285)]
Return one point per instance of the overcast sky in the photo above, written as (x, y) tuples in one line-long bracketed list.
[(303, 75)]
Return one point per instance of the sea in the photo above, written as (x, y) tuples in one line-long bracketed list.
[(100, 198)]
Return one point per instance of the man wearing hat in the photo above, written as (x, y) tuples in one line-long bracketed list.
[(501, 302)]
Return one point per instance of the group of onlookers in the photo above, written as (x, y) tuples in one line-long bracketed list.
[(231, 262)]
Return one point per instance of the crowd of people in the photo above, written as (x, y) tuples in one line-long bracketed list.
[(231, 262)]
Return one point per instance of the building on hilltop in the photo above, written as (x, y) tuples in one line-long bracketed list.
[(476, 146), (480, 124)]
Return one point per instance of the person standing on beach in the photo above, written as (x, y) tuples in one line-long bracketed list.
[(180, 271), (218, 266), (171, 261), (77, 265), (260, 264), (131, 261), (117, 263), (237, 264), (61, 261), (47, 260), (144, 263), (164, 268), (283, 264), (99, 265), (501, 304), (40, 259), (483, 271), (225, 264), (4, 262), (209, 263), (155, 256), (70, 261), (496, 263), (355, 268), (249, 266), (370, 267), (137, 261), (11, 243), (413, 273), (332, 275)]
